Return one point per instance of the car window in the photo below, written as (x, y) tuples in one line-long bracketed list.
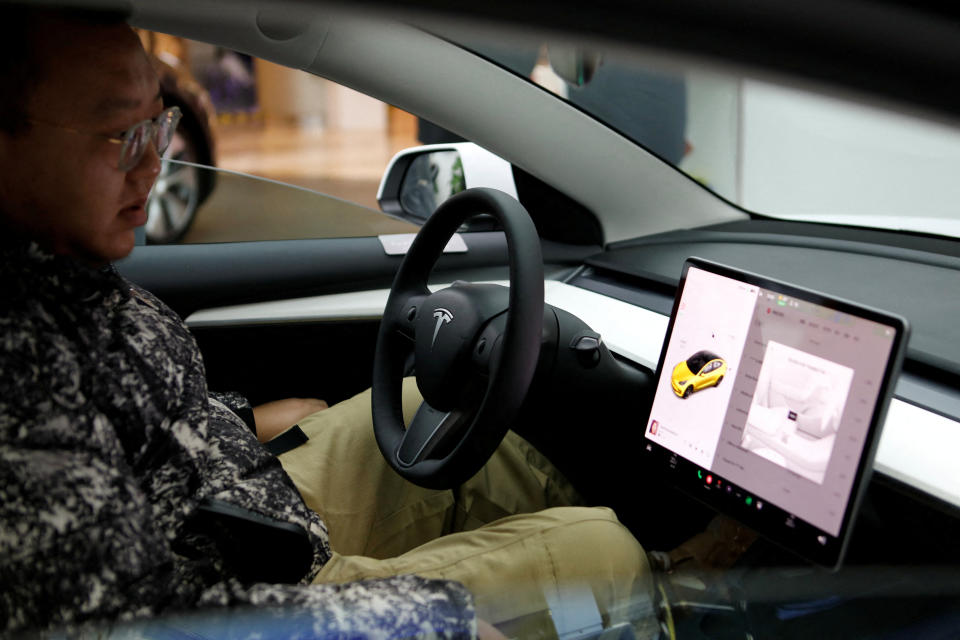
[(250, 127), (696, 361)]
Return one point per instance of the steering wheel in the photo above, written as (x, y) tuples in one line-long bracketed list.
[(475, 348)]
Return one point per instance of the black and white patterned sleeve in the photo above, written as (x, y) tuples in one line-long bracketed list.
[(397, 607), (233, 400), (238, 404)]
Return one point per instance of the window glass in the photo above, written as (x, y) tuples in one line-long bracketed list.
[(242, 207), (248, 116)]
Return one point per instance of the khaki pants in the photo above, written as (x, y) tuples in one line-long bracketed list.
[(509, 533)]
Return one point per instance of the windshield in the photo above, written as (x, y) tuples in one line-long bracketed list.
[(772, 150)]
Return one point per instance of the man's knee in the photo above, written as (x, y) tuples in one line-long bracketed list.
[(588, 562), (590, 538)]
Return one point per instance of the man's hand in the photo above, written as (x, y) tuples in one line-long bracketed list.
[(275, 417)]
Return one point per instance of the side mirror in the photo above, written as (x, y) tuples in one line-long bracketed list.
[(420, 179)]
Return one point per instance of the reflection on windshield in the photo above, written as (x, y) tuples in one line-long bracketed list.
[(772, 150)]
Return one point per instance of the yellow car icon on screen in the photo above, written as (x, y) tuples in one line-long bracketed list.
[(702, 369)]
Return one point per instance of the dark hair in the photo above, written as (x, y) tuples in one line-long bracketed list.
[(21, 65)]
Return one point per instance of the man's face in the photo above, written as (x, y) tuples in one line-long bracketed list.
[(64, 188)]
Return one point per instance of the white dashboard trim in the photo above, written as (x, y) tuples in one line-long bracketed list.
[(915, 448)]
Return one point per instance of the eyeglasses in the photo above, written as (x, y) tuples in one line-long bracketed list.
[(133, 141)]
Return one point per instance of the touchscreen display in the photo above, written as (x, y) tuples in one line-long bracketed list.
[(768, 402)]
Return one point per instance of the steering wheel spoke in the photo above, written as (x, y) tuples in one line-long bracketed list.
[(428, 432)]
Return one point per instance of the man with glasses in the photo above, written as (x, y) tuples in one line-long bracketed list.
[(126, 488), (67, 140)]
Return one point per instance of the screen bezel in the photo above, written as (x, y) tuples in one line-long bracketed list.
[(681, 472)]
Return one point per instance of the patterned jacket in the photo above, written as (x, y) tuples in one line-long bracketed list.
[(109, 441)]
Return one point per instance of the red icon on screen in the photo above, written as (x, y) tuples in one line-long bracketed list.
[(654, 425), (709, 479)]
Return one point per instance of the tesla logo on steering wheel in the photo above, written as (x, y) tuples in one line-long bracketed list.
[(442, 316)]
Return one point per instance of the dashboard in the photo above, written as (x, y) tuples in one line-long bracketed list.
[(917, 437), (626, 292)]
